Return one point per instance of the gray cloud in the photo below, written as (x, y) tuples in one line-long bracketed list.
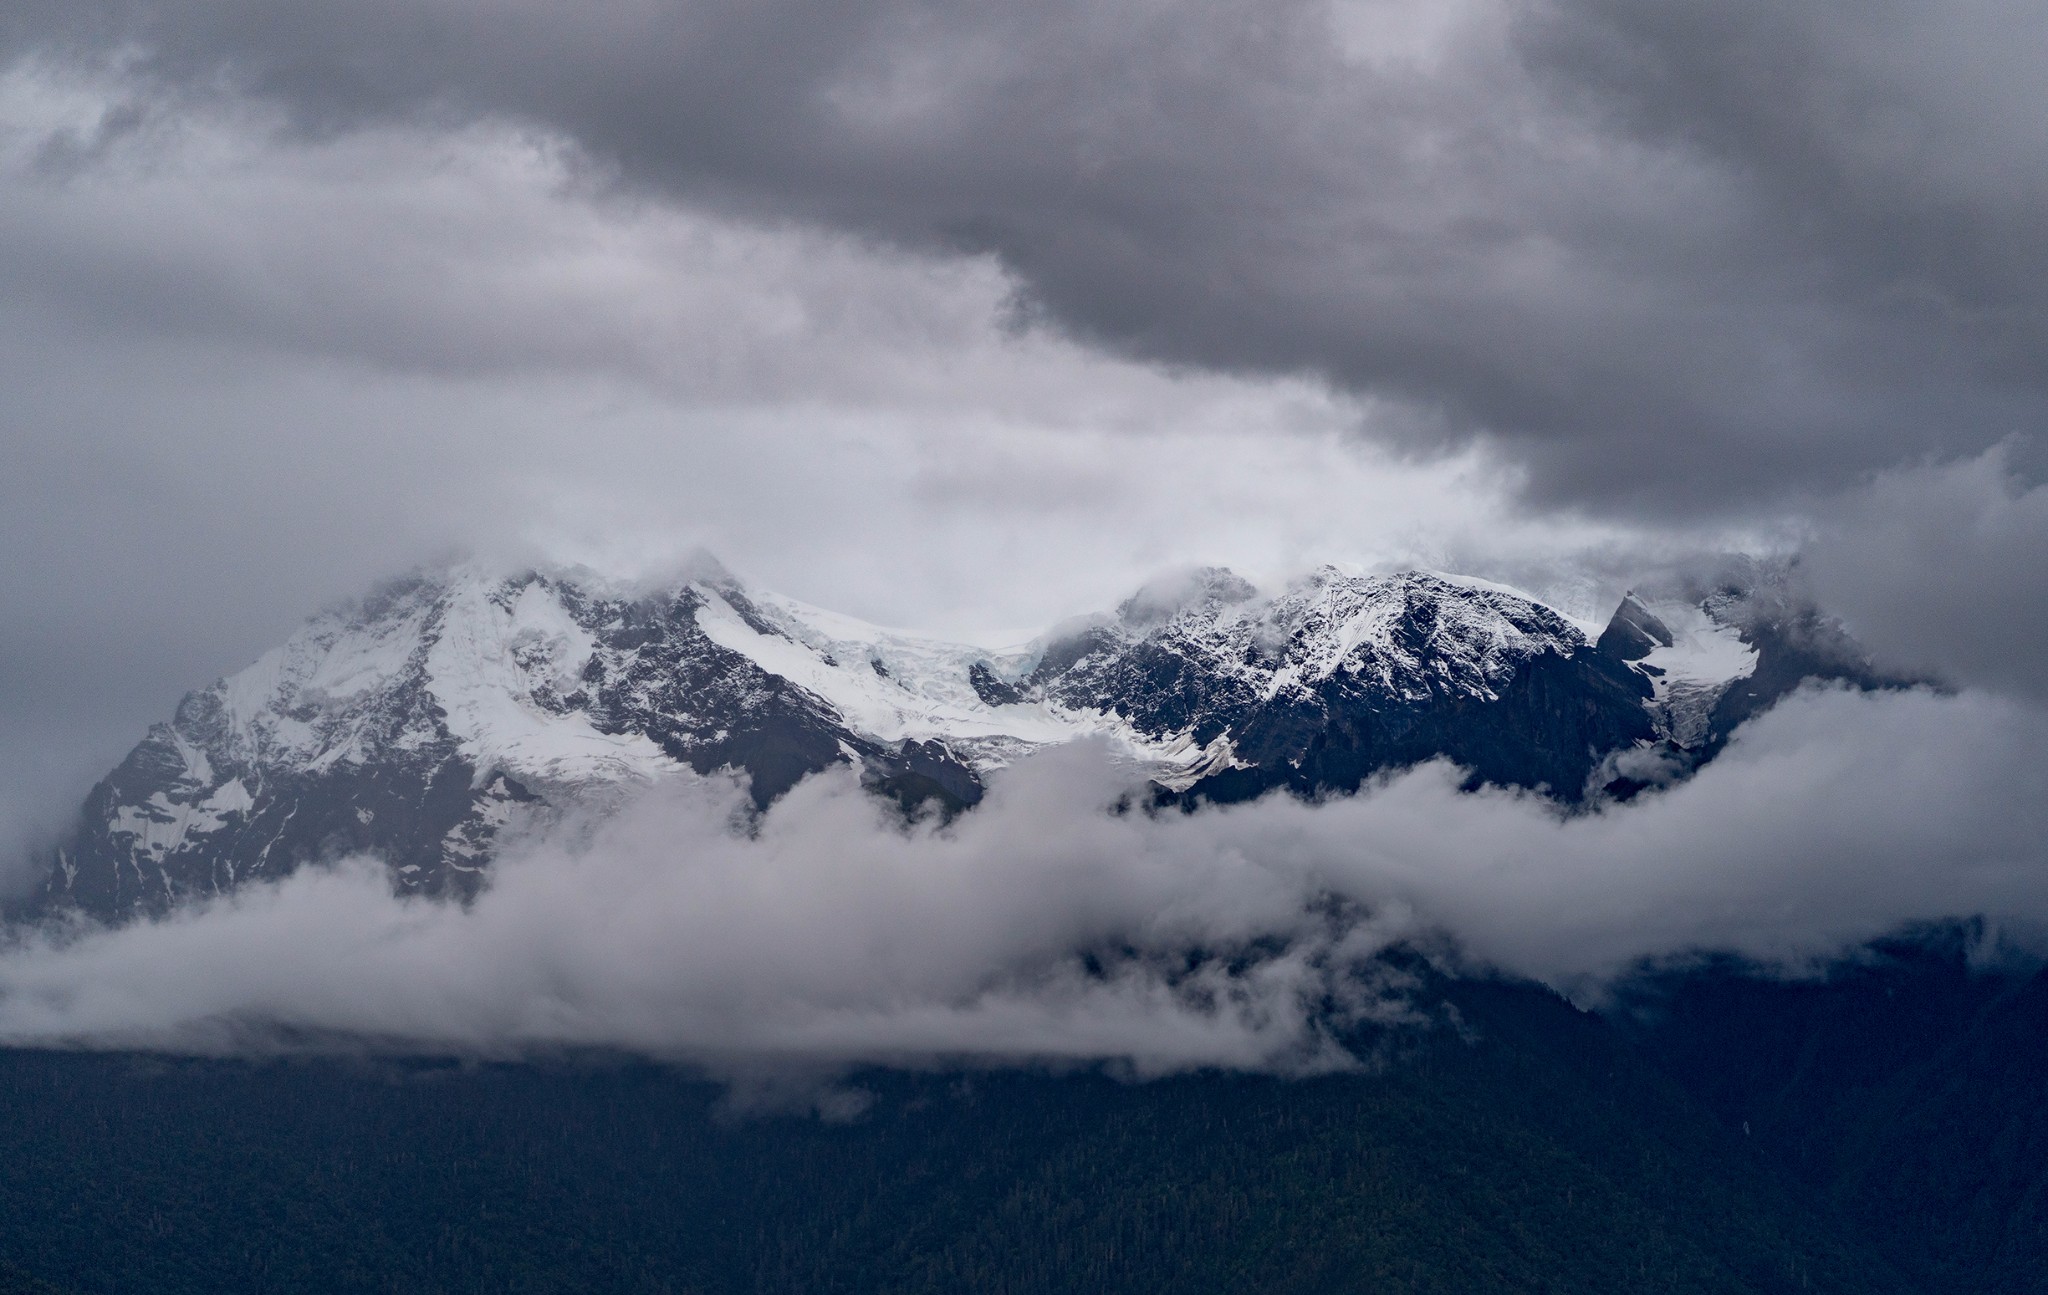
[(1674, 255), (1940, 568), (602, 382), (169, 512), (835, 935)]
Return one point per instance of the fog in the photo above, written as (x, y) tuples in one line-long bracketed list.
[(1051, 926)]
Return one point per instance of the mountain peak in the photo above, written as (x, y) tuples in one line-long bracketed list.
[(1633, 632), (1204, 590), (450, 711)]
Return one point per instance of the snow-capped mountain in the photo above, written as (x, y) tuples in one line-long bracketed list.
[(450, 711), (1715, 653), (1341, 677)]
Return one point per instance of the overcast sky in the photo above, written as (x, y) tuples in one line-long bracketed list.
[(969, 316)]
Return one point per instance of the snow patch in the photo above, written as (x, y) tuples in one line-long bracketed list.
[(474, 671), (927, 693), (1689, 675), (159, 826)]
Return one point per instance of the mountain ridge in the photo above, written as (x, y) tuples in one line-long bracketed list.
[(452, 709)]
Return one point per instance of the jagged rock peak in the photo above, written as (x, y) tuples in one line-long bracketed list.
[(1633, 632)]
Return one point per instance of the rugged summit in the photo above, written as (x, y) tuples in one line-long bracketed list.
[(450, 712), (1342, 677)]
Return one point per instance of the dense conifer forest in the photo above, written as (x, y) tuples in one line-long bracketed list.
[(1517, 1144)]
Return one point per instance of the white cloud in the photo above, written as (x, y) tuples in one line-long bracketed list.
[(834, 935)]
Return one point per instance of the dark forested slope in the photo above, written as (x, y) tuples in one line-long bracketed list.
[(1908, 1088), (1519, 1145)]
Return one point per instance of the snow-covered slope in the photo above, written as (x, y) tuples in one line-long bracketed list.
[(1717, 650), (446, 711), (1690, 658), (432, 717)]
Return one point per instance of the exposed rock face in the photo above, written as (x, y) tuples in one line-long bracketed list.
[(1343, 677), (1717, 652), (449, 714)]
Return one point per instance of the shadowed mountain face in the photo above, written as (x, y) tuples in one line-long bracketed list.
[(450, 714), (1340, 679)]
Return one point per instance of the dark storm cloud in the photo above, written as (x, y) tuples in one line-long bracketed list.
[(1682, 253)]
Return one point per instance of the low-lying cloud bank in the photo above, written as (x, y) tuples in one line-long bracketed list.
[(1047, 926)]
